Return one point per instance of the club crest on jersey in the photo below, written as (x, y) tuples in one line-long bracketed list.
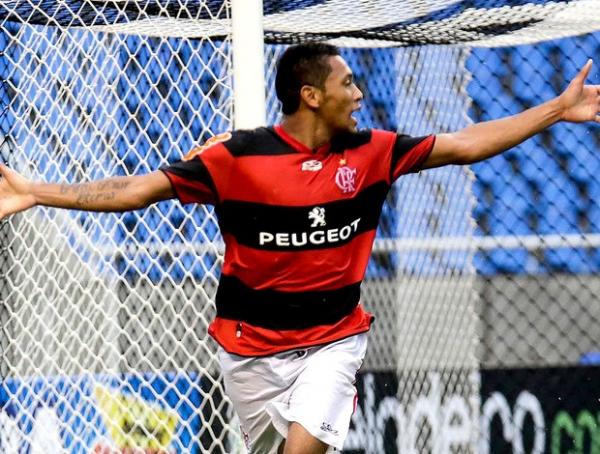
[(312, 166), (345, 178), (317, 216)]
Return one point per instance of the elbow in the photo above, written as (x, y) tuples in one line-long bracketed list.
[(464, 149), (139, 201), (138, 198), (148, 189), (467, 157)]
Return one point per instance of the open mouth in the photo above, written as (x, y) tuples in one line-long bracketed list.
[(353, 115)]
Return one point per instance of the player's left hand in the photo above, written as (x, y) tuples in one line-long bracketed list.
[(580, 102)]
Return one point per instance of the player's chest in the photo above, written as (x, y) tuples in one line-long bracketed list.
[(299, 179)]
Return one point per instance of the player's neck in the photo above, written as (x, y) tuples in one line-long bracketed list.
[(307, 130)]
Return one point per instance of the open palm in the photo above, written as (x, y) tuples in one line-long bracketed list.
[(15, 192), (581, 102)]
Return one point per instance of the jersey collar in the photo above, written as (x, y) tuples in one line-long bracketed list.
[(299, 146)]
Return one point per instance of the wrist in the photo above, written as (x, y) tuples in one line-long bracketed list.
[(32, 192), (556, 110)]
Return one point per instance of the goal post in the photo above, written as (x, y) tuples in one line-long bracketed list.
[(476, 271), (248, 64), (106, 344)]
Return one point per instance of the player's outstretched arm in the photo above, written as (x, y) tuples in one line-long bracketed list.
[(578, 103), (112, 194)]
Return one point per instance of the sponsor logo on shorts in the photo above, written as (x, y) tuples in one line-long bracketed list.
[(246, 438), (300, 353), (325, 427)]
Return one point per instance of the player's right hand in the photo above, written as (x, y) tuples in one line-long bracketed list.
[(15, 192)]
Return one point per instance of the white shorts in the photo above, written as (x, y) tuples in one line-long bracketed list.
[(313, 386)]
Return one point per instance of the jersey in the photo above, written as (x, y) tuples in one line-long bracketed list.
[(298, 226)]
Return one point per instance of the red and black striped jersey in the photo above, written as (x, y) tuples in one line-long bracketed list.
[(298, 226)]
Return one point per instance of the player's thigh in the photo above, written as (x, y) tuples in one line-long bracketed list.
[(324, 396), (300, 441), (250, 384), (324, 402), (330, 376)]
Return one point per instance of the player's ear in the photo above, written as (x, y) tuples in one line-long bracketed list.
[(311, 96)]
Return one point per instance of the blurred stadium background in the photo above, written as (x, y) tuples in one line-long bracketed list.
[(484, 280)]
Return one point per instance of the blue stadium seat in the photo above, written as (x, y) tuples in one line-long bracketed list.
[(568, 138), (500, 105), (583, 171), (507, 261), (574, 53), (480, 207), (483, 265), (568, 260), (590, 358), (354, 61), (490, 94), (510, 213), (210, 229), (560, 169), (533, 73), (486, 63), (559, 206), (535, 56), (590, 45), (581, 152), (491, 171), (533, 161), (594, 257), (592, 210)]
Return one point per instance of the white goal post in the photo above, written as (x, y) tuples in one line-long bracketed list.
[(248, 64)]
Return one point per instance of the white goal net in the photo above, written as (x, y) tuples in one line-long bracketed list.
[(103, 317)]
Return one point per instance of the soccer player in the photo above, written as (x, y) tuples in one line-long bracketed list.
[(298, 206)]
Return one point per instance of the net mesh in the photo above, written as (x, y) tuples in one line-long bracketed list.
[(102, 308), (103, 316), (539, 287)]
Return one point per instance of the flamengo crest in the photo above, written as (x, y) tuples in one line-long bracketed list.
[(345, 178)]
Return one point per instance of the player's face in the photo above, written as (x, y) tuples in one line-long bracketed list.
[(341, 97)]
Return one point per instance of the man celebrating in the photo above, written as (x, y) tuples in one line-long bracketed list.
[(298, 206)]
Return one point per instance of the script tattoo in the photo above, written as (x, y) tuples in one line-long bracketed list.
[(89, 193), (86, 198)]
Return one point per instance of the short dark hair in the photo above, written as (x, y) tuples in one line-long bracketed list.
[(302, 64)]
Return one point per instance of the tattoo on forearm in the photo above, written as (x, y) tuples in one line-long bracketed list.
[(89, 193), (86, 198)]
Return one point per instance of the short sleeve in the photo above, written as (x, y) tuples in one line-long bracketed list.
[(409, 154), (191, 177), (191, 181)]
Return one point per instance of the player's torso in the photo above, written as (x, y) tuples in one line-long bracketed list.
[(298, 216)]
